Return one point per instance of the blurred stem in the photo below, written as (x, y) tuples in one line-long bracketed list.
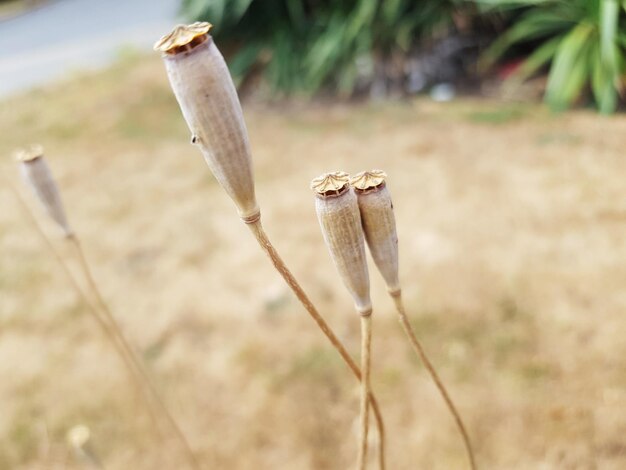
[(279, 264), (366, 346), (93, 310), (90, 457), (139, 377), (128, 351), (419, 350)]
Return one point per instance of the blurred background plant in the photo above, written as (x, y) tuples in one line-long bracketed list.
[(342, 46), (400, 46), (582, 40)]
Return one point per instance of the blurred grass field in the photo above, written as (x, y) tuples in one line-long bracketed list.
[(512, 226)]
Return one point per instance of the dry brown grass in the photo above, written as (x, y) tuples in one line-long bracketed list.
[(512, 242)]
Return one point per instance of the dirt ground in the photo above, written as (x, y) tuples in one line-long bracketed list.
[(512, 226)]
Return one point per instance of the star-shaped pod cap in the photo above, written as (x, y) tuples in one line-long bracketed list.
[(28, 154), (331, 184), (183, 38), (368, 180)]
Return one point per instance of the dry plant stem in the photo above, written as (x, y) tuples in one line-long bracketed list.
[(417, 347), (259, 233), (129, 353), (91, 307), (366, 347), (111, 329)]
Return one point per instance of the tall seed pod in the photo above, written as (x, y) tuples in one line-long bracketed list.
[(379, 223), (338, 214), (208, 100), (38, 177)]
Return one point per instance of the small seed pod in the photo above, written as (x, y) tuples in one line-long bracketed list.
[(379, 224), (79, 440), (208, 100), (338, 214), (38, 177)]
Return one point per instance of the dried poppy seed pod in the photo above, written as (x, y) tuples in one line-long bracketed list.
[(379, 224), (208, 100), (338, 214), (38, 177), (78, 439)]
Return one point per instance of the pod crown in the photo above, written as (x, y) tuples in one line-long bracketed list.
[(367, 180), (331, 184), (183, 37), (78, 436), (29, 153)]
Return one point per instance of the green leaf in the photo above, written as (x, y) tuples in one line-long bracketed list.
[(603, 86), (245, 58), (390, 10), (609, 18), (362, 17), (296, 13), (325, 52), (533, 25), (537, 59), (569, 69)]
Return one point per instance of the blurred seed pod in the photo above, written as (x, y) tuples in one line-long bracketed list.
[(338, 214), (38, 177), (379, 223), (78, 438), (208, 100)]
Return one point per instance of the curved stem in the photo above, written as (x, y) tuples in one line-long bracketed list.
[(260, 235), (366, 346), (93, 310), (419, 350), (129, 353), (111, 329)]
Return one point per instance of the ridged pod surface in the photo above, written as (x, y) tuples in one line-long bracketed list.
[(208, 100), (379, 223), (38, 177), (338, 215)]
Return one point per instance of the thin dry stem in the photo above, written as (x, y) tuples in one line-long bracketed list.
[(138, 375), (129, 353), (259, 233), (419, 350), (93, 310), (366, 347)]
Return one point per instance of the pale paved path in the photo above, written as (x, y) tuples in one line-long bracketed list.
[(69, 35)]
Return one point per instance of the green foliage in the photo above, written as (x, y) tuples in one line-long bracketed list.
[(306, 45), (582, 40)]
